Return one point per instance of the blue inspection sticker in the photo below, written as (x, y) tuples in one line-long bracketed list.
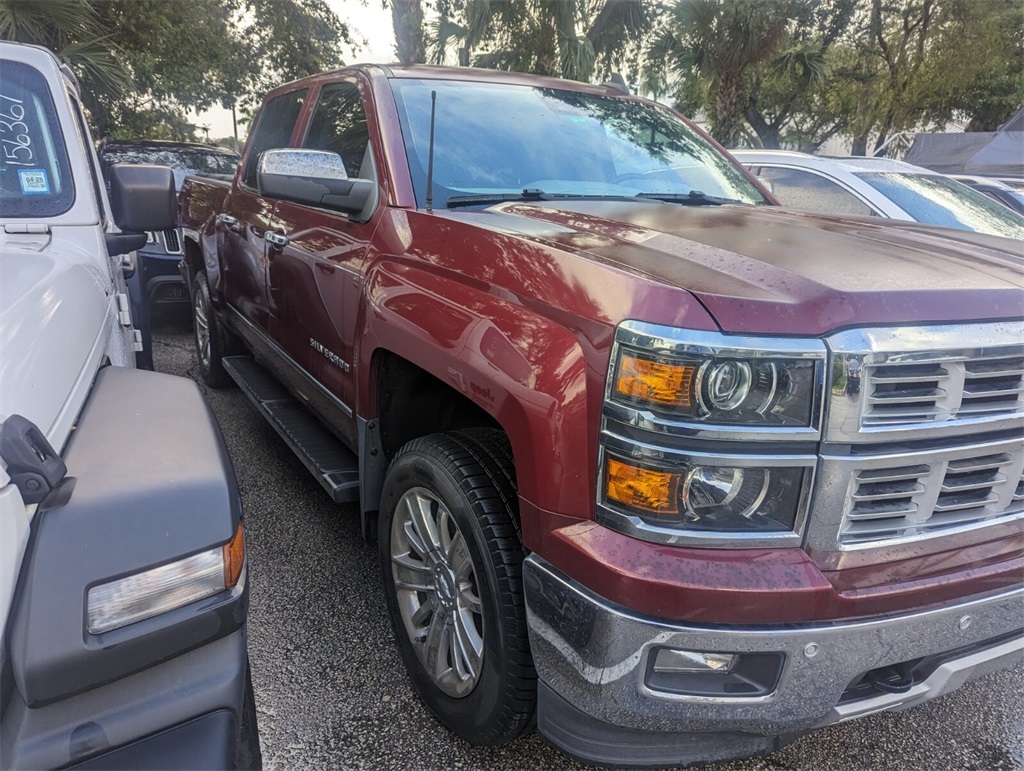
[(34, 182)]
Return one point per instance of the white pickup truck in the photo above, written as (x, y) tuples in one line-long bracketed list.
[(123, 589)]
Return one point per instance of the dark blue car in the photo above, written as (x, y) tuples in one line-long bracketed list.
[(153, 281)]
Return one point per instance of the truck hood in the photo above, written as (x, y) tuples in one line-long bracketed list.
[(54, 324), (772, 271)]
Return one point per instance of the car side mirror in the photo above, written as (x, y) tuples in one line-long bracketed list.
[(142, 198), (315, 178)]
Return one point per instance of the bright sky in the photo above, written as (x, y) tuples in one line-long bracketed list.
[(367, 19)]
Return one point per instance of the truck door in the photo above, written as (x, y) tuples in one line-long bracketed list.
[(247, 216), (316, 277)]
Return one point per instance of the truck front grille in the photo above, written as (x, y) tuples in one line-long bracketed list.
[(907, 500), (923, 434), (950, 390), (172, 243), (922, 382)]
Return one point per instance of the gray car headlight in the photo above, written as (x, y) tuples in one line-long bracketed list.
[(161, 589)]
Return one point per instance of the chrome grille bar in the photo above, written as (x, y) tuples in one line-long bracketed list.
[(925, 381), (876, 500)]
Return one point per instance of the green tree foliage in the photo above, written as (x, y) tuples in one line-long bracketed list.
[(145, 64), (752, 62), (73, 30), (576, 39)]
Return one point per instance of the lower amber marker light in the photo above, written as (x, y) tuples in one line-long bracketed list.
[(641, 488)]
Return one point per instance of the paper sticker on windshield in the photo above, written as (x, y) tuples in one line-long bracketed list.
[(34, 182)]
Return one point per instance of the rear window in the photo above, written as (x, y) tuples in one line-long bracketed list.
[(938, 200), (184, 161), (35, 176)]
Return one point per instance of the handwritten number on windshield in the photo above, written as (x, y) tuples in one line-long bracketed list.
[(12, 124)]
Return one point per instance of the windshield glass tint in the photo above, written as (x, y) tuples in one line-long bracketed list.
[(35, 178), (184, 162), (497, 138), (942, 201)]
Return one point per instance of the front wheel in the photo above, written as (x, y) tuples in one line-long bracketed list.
[(213, 342), (451, 559)]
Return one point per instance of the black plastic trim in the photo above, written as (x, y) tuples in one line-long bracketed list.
[(154, 484), (595, 741)]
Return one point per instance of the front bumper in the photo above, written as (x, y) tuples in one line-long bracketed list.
[(593, 659), (124, 724)]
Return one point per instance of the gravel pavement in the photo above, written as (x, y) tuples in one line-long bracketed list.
[(331, 690)]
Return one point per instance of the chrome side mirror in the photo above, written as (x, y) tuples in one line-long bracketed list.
[(315, 178)]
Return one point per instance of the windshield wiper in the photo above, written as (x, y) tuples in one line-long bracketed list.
[(693, 198), (528, 194)]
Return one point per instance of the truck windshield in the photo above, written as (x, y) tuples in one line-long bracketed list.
[(35, 177), (494, 138), (938, 200)]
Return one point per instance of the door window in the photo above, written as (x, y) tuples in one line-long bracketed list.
[(277, 120), (339, 126), (813, 192)]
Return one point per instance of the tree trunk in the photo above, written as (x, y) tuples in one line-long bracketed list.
[(407, 19), (860, 144), (725, 126)]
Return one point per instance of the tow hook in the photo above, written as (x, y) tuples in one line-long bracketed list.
[(895, 679)]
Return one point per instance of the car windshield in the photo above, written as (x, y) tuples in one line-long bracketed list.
[(35, 176), (938, 200), (499, 138), (184, 162)]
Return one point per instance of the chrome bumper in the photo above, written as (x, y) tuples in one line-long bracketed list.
[(594, 655)]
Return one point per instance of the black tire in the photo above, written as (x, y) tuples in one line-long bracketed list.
[(212, 341), (471, 473), (247, 752)]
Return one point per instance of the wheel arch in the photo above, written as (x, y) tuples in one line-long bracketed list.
[(505, 365)]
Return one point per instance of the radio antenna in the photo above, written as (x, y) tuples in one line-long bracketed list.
[(430, 154)]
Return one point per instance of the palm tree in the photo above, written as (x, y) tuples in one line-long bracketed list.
[(719, 42), (566, 38), (71, 29)]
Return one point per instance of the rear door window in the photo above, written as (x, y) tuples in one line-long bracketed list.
[(806, 190), (35, 176)]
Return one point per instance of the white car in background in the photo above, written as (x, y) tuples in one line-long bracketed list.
[(878, 187)]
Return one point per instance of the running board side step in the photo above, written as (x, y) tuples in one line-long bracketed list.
[(333, 465)]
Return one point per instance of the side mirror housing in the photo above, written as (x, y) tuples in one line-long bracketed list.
[(315, 178), (142, 197)]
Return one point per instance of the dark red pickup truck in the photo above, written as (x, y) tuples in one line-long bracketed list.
[(679, 472)]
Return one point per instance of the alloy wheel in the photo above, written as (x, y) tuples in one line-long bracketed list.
[(437, 591)]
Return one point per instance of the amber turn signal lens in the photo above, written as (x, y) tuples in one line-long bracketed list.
[(640, 488), (234, 558), (654, 381)]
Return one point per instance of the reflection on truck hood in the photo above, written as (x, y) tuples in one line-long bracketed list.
[(53, 327), (768, 270)]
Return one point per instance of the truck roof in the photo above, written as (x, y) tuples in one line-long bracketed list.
[(467, 74)]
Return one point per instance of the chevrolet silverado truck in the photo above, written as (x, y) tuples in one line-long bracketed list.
[(123, 587), (675, 472)]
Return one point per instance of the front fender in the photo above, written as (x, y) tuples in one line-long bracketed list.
[(153, 483), (524, 369)]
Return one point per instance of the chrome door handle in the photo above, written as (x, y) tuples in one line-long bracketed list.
[(227, 219), (277, 239)]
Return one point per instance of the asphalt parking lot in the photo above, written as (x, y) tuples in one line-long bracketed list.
[(331, 690)]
